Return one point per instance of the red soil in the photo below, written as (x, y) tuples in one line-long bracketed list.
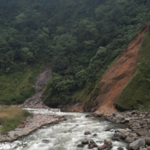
[(117, 76)]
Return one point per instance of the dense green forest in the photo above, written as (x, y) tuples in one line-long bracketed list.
[(79, 39)]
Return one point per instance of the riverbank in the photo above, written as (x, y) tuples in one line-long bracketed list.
[(137, 135), (30, 125)]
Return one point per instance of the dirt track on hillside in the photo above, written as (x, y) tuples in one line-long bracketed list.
[(117, 77)]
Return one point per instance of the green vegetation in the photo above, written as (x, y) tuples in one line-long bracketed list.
[(16, 87), (10, 118), (78, 38), (136, 94)]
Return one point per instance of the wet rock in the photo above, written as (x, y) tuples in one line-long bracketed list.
[(120, 148), (142, 132), (134, 112), (109, 147), (116, 139), (123, 131), (147, 140), (136, 145), (45, 141), (148, 147), (87, 133), (107, 142), (85, 142), (80, 145), (94, 134), (104, 146), (92, 144), (129, 139), (122, 136), (97, 114), (107, 129), (87, 116)]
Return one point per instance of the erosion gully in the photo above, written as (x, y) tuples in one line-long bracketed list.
[(67, 134)]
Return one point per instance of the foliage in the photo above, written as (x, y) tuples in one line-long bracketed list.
[(16, 87), (10, 118)]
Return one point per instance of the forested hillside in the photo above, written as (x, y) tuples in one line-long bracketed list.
[(79, 39)]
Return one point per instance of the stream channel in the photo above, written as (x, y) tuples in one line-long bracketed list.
[(67, 134)]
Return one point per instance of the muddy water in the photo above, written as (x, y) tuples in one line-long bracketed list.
[(65, 135)]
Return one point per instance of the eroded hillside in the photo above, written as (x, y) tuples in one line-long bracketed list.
[(116, 78)]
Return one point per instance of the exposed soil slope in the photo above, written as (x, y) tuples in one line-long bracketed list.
[(36, 100), (116, 78)]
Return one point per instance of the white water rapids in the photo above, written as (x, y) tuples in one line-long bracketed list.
[(66, 135)]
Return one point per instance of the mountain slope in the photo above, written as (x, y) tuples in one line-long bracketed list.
[(116, 78)]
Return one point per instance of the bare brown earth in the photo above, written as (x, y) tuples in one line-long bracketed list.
[(117, 77)]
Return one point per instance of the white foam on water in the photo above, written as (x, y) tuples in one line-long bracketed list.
[(66, 135)]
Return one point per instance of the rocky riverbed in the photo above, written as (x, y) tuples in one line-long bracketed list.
[(137, 133), (31, 124), (83, 131)]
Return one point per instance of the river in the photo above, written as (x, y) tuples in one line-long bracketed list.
[(67, 134)]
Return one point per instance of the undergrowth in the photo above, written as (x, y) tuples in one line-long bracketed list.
[(10, 118), (16, 87)]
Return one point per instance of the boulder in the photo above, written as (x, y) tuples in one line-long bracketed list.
[(120, 148), (116, 139), (85, 142), (147, 140), (92, 144), (142, 132), (87, 133), (80, 145), (104, 146), (107, 142), (122, 136), (136, 145), (129, 139), (87, 116), (45, 141), (97, 114), (123, 131), (94, 134)]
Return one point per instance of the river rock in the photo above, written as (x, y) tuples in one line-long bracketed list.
[(147, 140), (94, 134), (45, 141), (116, 139), (104, 146), (122, 136), (131, 137), (148, 147), (123, 131), (87, 133), (87, 116), (80, 145), (85, 142), (120, 148), (136, 145), (97, 114), (107, 142), (92, 144), (142, 132)]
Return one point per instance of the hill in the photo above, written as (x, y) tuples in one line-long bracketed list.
[(78, 39)]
